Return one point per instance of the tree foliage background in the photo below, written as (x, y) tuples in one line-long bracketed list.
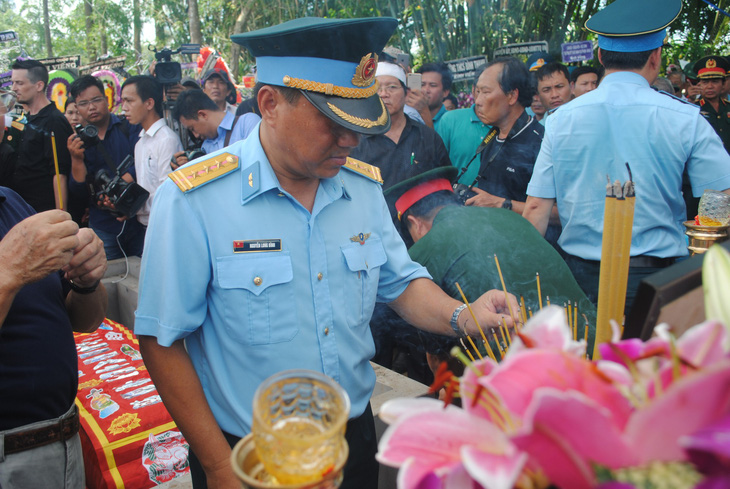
[(429, 29)]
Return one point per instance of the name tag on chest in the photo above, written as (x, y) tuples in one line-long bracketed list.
[(254, 245)]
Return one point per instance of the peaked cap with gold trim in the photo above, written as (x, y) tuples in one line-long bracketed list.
[(712, 67), (633, 26), (332, 62)]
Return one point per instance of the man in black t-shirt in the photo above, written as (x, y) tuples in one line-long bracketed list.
[(49, 287), (503, 90), (35, 175)]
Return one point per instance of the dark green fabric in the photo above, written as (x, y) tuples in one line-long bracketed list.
[(461, 247), (719, 120)]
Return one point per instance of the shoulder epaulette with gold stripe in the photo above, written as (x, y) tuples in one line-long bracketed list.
[(364, 169), (209, 169)]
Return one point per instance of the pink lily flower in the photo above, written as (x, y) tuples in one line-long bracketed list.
[(436, 447)]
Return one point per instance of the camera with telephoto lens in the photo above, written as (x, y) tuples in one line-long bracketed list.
[(126, 197), (89, 135), (463, 192)]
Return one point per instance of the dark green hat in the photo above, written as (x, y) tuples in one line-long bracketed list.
[(632, 26), (711, 67), (689, 71), (332, 62), (402, 196)]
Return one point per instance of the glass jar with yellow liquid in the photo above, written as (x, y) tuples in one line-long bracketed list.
[(714, 208), (299, 419)]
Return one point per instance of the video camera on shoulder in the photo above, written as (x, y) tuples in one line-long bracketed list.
[(166, 70), (88, 134), (126, 197)]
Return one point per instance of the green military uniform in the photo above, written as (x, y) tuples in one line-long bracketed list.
[(461, 245), (718, 119), (715, 68)]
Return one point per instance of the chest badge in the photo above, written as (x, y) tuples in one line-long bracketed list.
[(360, 238), (256, 245)]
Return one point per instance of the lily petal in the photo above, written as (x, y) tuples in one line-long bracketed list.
[(392, 409), (689, 404), (709, 448), (565, 432), (493, 471), (519, 378)]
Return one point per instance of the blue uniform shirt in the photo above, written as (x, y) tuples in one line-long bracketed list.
[(246, 123), (595, 135), (247, 315)]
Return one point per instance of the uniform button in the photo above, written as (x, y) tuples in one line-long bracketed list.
[(326, 331), (258, 281), (319, 276)]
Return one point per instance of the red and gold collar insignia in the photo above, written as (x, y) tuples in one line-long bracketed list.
[(365, 71), (360, 238)]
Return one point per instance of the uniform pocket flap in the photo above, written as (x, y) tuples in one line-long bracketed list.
[(254, 272), (364, 256)]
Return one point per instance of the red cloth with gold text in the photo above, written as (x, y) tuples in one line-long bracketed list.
[(128, 438)]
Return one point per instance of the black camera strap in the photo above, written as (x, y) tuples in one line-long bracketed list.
[(230, 131), (482, 146), (107, 157), (516, 129)]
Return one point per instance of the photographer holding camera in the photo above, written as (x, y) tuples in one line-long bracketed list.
[(96, 151), (198, 113)]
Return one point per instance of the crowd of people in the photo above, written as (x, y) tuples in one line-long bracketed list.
[(325, 221)]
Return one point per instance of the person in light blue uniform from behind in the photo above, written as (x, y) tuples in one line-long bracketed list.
[(625, 121), (273, 252)]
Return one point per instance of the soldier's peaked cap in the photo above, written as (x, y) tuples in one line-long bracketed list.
[(332, 62), (711, 67), (632, 26)]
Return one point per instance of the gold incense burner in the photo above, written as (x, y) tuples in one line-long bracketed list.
[(702, 237), (251, 472)]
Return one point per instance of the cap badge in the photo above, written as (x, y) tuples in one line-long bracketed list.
[(365, 71), (360, 238), (711, 63)]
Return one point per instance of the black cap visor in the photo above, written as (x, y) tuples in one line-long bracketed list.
[(364, 116)]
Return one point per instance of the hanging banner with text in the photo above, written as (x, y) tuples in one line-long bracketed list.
[(62, 63), (524, 48), (104, 64), (7, 36), (575, 52), (466, 68), (5, 79)]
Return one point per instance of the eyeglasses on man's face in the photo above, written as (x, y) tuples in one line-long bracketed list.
[(96, 101)]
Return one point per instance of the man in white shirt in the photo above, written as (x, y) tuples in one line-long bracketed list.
[(142, 104)]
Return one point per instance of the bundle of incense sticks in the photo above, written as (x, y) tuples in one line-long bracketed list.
[(618, 223), (503, 340)]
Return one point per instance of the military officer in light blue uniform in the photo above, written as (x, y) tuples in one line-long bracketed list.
[(270, 254), (625, 121)]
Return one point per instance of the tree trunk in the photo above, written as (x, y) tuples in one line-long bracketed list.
[(137, 21), (159, 17), (246, 8), (89, 21), (196, 37), (47, 30), (102, 39)]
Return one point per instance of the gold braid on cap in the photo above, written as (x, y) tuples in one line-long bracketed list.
[(358, 121), (330, 89)]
